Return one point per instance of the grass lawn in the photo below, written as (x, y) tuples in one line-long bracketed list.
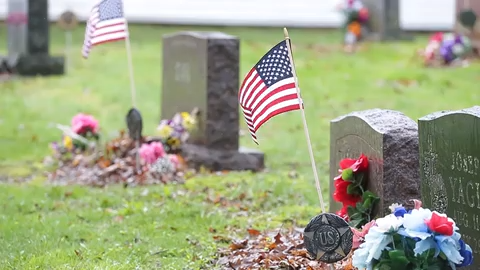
[(173, 227)]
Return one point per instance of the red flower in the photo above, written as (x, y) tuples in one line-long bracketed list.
[(343, 212), (440, 223), (359, 164), (341, 195)]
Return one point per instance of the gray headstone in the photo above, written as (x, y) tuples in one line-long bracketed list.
[(33, 55), (390, 141), (201, 70), (450, 169), (17, 29), (385, 19)]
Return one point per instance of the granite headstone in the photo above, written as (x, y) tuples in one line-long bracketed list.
[(36, 59), (390, 141), (201, 70), (384, 21), (449, 143)]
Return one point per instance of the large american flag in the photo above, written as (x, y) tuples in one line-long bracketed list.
[(268, 89), (106, 24)]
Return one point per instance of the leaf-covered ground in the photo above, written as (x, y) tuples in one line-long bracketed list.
[(183, 226)]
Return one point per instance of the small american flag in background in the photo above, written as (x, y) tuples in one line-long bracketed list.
[(106, 24), (268, 89)]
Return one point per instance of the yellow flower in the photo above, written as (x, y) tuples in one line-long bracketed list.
[(174, 142), (68, 142), (164, 131), (189, 122)]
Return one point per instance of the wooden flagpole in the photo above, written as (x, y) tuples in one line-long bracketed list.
[(132, 82), (305, 127)]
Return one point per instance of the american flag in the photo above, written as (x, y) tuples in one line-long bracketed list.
[(106, 24), (268, 89)]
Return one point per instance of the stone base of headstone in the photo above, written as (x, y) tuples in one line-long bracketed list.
[(40, 64), (197, 156)]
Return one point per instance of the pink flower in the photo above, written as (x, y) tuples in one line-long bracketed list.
[(358, 236), (151, 152), (174, 160), (82, 123)]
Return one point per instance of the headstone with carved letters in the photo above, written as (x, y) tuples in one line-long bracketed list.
[(450, 169), (33, 40), (384, 21), (390, 141), (201, 70)]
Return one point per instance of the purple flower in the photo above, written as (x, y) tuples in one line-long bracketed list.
[(466, 253), (400, 211)]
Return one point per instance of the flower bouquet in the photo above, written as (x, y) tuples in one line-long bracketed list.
[(358, 203), (174, 132), (446, 49), (83, 133), (410, 239)]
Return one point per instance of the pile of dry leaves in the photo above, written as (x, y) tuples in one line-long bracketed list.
[(114, 164), (273, 250)]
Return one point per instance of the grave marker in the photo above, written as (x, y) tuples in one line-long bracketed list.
[(390, 141), (385, 20), (200, 70), (450, 169), (33, 54)]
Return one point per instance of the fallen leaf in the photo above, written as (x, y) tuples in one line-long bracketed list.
[(253, 232), (238, 245), (278, 239)]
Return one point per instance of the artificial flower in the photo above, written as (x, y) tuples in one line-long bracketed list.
[(83, 123), (389, 223), (340, 193), (441, 224), (188, 122), (68, 143), (417, 204), (359, 164), (343, 212), (466, 253), (151, 152), (400, 211), (376, 240), (164, 130), (359, 235), (428, 230), (175, 160)]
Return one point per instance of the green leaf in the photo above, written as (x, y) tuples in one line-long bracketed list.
[(361, 207), (356, 223), (356, 215), (352, 189), (358, 178), (398, 258), (351, 211)]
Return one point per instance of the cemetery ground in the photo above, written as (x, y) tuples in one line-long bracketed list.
[(182, 226)]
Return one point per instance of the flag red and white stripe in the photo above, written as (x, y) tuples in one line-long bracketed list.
[(107, 23), (269, 89)]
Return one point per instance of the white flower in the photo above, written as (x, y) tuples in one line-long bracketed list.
[(394, 206), (389, 223)]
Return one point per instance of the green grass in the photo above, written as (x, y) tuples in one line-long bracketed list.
[(44, 227)]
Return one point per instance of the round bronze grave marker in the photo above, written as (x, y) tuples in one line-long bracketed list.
[(68, 21), (328, 238)]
